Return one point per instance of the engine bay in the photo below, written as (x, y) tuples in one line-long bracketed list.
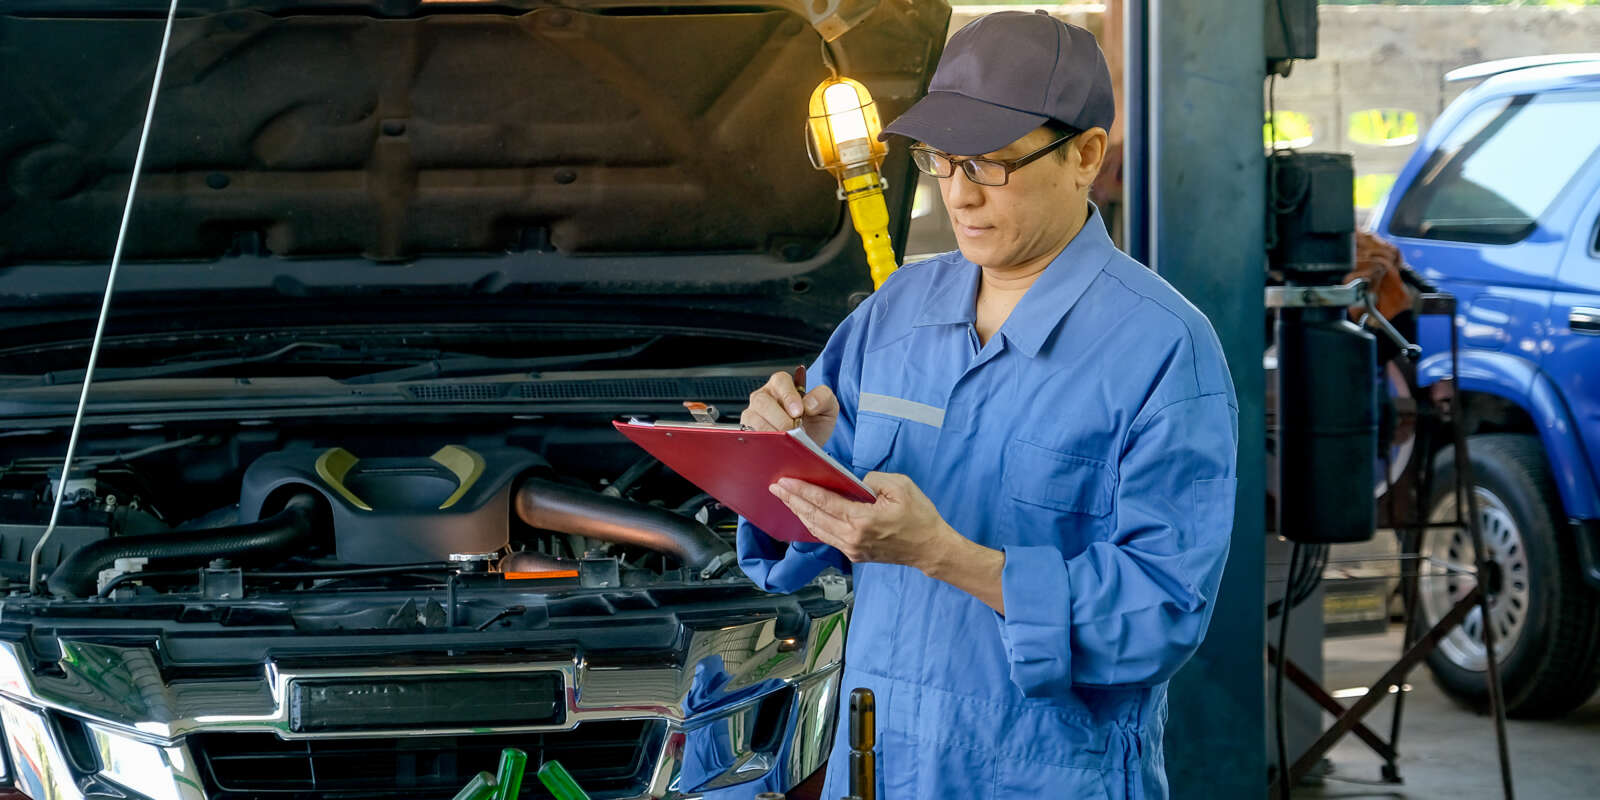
[(229, 511)]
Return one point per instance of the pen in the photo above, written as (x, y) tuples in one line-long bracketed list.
[(800, 386)]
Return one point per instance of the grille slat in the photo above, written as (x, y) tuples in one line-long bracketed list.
[(608, 758)]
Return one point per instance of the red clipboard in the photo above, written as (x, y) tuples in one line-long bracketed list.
[(736, 466)]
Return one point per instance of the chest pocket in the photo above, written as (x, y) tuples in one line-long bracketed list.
[(1041, 476), (875, 437)]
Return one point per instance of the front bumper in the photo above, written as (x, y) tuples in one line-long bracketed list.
[(739, 708)]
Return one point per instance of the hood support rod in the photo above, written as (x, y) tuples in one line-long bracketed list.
[(105, 304)]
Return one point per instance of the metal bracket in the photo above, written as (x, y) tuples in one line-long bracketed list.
[(1408, 351), (1355, 293), (883, 186), (834, 587), (1351, 294), (599, 573), (718, 565), (222, 584)]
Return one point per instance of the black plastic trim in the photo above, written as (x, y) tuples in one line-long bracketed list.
[(439, 701), (1587, 534)]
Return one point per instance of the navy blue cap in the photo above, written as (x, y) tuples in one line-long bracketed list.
[(1005, 74)]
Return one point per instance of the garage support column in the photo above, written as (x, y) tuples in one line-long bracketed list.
[(1196, 208)]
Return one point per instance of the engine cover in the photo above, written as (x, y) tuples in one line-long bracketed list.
[(398, 510)]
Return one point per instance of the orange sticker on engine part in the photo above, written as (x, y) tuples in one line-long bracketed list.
[(535, 576)]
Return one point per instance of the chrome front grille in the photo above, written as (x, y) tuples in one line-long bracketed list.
[(736, 703)]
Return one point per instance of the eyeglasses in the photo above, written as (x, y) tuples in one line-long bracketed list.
[(985, 171)]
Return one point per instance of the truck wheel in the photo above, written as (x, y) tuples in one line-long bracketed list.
[(1546, 618)]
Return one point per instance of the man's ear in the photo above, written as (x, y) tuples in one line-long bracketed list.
[(1089, 152)]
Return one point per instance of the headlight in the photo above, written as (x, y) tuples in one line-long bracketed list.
[(139, 767)]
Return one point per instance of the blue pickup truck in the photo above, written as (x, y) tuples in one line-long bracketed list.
[(1500, 206)]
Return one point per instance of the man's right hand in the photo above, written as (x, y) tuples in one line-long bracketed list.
[(778, 406)]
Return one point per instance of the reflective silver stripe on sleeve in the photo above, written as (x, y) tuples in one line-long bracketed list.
[(902, 408)]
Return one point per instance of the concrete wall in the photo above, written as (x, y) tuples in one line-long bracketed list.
[(1084, 15), (1396, 57), (1387, 57)]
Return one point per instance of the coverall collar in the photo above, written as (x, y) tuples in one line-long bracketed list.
[(1046, 302)]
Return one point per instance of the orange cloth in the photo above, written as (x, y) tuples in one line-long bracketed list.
[(1379, 262)]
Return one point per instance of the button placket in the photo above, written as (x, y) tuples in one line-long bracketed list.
[(985, 354), (957, 407)]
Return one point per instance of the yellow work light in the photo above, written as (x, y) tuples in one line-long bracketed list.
[(842, 138)]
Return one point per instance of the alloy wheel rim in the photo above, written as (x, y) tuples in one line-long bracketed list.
[(1448, 576)]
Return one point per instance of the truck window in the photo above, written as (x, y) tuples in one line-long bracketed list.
[(1501, 167)]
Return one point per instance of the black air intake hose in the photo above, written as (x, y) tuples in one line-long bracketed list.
[(567, 509), (274, 536)]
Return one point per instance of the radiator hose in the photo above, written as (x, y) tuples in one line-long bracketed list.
[(568, 509), (273, 537)]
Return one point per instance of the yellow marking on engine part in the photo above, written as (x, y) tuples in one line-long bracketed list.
[(332, 466), (465, 464)]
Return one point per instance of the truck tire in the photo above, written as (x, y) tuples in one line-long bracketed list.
[(1547, 619)]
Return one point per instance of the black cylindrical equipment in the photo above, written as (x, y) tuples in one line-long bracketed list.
[(863, 735), (1327, 438)]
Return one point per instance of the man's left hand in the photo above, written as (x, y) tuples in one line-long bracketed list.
[(902, 527)]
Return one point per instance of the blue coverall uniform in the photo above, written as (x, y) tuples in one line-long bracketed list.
[(1093, 440)]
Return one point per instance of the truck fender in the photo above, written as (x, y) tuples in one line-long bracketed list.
[(1520, 381)]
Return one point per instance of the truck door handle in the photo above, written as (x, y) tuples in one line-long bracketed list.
[(1584, 320)]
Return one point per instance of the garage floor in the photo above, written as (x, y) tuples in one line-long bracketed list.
[(1447, 751)]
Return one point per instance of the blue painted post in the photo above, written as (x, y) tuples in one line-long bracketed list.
[(1198, 121)]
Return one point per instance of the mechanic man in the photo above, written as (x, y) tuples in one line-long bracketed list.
[(1051, 430)]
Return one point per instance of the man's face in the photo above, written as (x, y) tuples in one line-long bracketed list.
[(1035, 213)]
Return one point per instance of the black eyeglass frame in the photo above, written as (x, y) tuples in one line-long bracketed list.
[(1009, 165)]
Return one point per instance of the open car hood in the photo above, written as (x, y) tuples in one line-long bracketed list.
[(375, 152)]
